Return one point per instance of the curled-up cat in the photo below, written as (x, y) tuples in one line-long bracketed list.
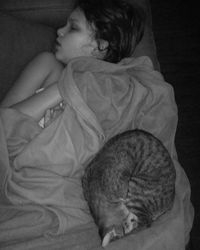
[(129, 184)]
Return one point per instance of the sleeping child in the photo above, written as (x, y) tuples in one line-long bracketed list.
[(109, 31)]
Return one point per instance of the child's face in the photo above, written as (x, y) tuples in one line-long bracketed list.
[(75, 39)]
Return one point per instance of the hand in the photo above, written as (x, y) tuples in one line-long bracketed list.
[(36, 105)]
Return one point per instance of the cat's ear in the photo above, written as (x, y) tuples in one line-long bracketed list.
[(109, 237)]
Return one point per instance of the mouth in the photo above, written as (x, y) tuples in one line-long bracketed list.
[(57, 45), (58, 42)]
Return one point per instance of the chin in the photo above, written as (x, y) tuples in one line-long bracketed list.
[(60, 58)]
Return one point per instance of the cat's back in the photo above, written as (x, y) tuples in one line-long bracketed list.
[(136, 166), (134, 152), (151, 188), (137, 150)]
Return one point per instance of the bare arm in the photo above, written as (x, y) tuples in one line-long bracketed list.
[(36, 105), (42, 71)]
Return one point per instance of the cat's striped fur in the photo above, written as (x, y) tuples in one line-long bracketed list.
[(129, 184)]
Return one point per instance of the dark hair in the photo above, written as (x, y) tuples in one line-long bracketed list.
[(116, 21)]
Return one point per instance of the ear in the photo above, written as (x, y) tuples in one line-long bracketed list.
[(103, 44), (100, 48), (108, 237)]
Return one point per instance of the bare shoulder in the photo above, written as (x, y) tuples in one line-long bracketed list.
[(51, 67), (49, 60)]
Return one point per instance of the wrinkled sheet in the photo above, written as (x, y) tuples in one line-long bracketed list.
[(41, 200)]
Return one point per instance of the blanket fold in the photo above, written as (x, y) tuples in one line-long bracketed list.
[(41, 169)]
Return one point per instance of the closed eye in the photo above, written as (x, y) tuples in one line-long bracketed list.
[(73, 27), (73, 24)]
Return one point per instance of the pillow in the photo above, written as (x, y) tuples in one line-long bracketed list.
[(147, 46), (20, 41), (49, 12)]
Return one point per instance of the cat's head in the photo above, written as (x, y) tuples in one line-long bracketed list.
[(119, 229)]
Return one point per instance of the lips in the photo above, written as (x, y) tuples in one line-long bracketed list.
[(57, 45), (57, 40)]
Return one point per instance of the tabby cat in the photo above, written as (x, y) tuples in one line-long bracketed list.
[(129, 184)]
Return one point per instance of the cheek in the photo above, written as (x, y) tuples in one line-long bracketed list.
[(70, 44), (78, 44), (74, 46), (66, 50)]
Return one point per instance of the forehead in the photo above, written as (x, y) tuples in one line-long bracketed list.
[(78, 16)]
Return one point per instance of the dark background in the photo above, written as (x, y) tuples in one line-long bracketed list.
[(176, 26)]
